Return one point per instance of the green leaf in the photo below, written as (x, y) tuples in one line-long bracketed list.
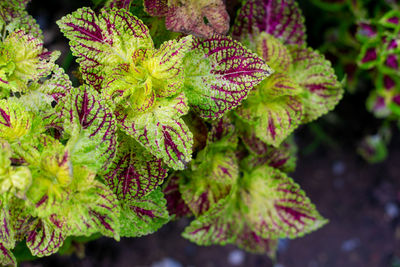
[(211, 179), (144, 216)]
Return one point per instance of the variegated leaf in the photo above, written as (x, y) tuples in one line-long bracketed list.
[(100, 42), (145, 215), (47, 236), (321, 89), (210, 180), (273, 51), (14, 15), (134, 172), (282, 19), (162, 131), (275, 206), (200, 18), (6, 256), (219, 72), (15, 120), (166, 66), (176, 206), (273, 119), (92, 210), (94, 143), (27, 60)]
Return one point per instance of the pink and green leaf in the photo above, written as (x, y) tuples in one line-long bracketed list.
[(275, 207), (15, 16), (210, 180), (15, 120), (92, 210), (176, 206), (100, 42), (30, 60), (166, 66), (219, 73), (46, 237), (200, 18), (282, 19), (321, 89), (94, 140), (6, 256), (273, 119), (145, 215), (161, 131), (273, 51), (134, 172)]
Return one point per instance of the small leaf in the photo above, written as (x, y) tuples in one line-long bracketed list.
[(14, 15), (273, 119), (282, 19), (94, 143), (322, 90), (15, 120), (94, 209), (6, 257), (144, 216), (46, 237), (274, 52), (162, 131), (134, 172), (166, 66), (210, 179), (30, 60), (175, 204), (219, 74)]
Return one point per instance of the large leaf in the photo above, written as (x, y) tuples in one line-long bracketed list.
[(201, 18), (162, 131), (134, 172), (219, 74), (275, 206), (143, 216), (281, 18), (321, 89), (94, 139), (100, 42)]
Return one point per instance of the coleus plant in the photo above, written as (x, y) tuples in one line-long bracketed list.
[(197, 125)]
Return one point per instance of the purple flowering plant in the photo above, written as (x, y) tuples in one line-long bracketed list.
[(177, 115)]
